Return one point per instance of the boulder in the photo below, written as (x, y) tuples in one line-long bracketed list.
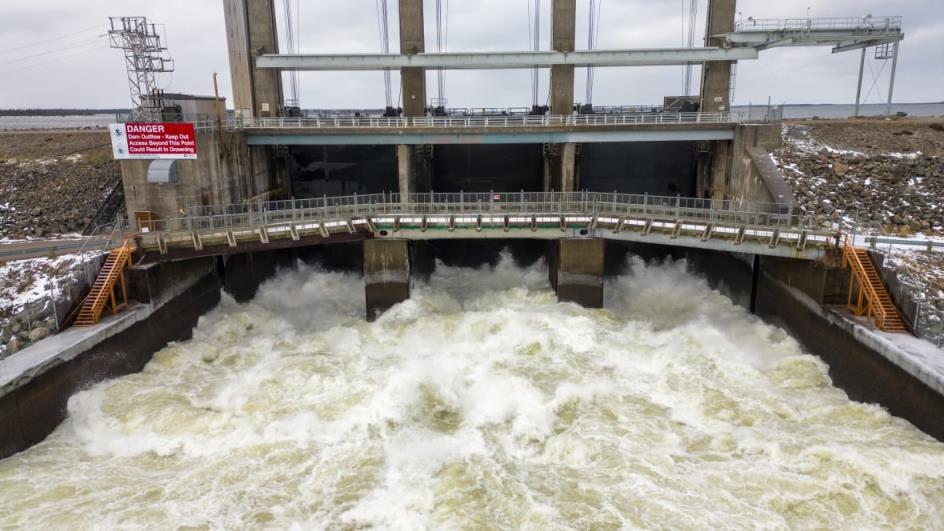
[(39, 333)]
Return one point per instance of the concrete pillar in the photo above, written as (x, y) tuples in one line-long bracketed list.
[(250, 32), (406, 169), (560, 167), (568, 167), (415, 176), (716, 75), (412, 79), (386, 275), (563, 35), (580, 271), (722, 157)]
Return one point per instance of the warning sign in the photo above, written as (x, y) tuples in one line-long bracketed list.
[(171, 140)]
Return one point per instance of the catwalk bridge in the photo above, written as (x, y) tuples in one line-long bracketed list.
[(758, 228)]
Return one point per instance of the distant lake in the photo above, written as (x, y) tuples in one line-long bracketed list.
[(845, 111), (56, 122)]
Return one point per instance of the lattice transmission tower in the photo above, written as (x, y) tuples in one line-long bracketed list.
[(145, 58)]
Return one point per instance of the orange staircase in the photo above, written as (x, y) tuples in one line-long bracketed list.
[(873, 299), (103, 290)]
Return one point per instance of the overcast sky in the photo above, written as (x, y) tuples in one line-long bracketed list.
[(52, 53)]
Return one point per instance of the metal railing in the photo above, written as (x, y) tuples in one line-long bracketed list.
[(860, 25), (761, 114), (207, 122), (929, 323), (726, 212), (487, 121), (201, 122)]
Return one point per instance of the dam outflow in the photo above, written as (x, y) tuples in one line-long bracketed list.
[(479, 400), (544, 314)]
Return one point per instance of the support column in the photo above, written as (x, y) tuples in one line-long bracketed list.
[(563, 35), (560, 167), (568, 167), (414, 166), (721, 160), (250, 32), (891, 81), (412, 79), (859, 85), (716, 75), (580, 271), (386, 275)]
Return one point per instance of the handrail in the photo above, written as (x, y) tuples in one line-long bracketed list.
[(634, 116), (867, 24), (873, 302), (763, 114), (730, 212)]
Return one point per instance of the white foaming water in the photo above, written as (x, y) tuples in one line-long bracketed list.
[(480, 402)]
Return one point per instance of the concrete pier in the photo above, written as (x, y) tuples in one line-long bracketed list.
[(716, 75), (250, 32), (580, 267), (563, 35), (386, 275), (413, 79)]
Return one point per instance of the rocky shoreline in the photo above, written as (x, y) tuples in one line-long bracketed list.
[(53, 182), (899, 193)]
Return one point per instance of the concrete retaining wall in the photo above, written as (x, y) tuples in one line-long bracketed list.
[(790, 295), (32, 410)]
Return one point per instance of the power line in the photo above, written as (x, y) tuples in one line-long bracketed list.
[(535, 35), (689, 39), (54, 39), (382, 28), (442, 29), (593, 38), (57, 59), (41, 54)]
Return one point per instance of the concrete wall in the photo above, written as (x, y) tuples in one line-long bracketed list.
[(224, 173), (790, 294), (741, 169), (32, 411)]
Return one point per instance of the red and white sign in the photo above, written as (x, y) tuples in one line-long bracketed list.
[(171, 140)]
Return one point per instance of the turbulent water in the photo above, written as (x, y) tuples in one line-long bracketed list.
[(480, 402)]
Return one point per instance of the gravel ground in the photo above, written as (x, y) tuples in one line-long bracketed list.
[(52, 182), (850, 169)]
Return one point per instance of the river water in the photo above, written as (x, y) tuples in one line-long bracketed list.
[(479, 402)]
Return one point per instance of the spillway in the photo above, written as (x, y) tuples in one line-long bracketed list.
[(478, 402)]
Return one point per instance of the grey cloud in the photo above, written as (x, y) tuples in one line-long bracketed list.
[(95, 76)]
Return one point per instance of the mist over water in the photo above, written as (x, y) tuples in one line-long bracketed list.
[(480, 402)]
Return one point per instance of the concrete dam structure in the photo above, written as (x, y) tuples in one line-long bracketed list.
[(440, 319)]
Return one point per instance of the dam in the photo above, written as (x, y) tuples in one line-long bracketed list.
[(425, 317)]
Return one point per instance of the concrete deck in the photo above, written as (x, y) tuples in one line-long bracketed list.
[(43, 355)]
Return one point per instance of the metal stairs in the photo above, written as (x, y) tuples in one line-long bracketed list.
[(873, 299), (103, 290)]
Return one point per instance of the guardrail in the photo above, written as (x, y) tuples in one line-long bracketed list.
[(861, 25), (770, 215), (374, 122), (762, 114)]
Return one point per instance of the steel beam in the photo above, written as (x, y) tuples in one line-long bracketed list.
[(497, 60)]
